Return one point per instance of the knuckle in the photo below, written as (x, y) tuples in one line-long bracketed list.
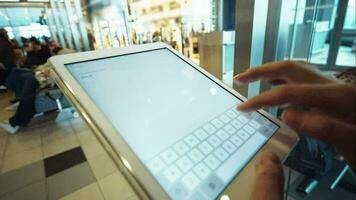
[(254, 70), (285, 64), (285, 91), (326, 124)]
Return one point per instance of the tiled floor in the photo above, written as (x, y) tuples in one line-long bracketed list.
[(56, 159)]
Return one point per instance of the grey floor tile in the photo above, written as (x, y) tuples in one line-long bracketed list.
[(69, 180), (21, 177), (33, 191)]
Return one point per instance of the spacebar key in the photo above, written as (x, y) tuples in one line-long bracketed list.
[(240, 158)]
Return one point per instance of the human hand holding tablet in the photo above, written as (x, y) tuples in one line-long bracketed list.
[(175, 124)]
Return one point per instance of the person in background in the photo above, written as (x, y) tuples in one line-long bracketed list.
[(319, 107), (20, 58), (39, 52), (7, 57), (15, 44), (39, 78)]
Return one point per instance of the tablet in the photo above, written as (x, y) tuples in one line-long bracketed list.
[(174, 127)]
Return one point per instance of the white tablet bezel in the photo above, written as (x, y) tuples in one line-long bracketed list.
[(137, 174)]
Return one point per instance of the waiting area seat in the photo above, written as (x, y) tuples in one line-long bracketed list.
[(50, 99)]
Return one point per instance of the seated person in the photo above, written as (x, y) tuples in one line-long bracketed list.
[(7, 57), (39, 52), (39, 78), (2, 77)]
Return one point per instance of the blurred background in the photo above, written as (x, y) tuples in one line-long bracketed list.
[(295, 29), (225, 37)]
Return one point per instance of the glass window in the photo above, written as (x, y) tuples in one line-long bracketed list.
[(34, 30), (347, 50), (4, 19), (309, 31)]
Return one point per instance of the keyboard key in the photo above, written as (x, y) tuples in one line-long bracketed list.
[(156, 165), (217, 123), (201, 134), (172, 173), (255, 124), (239, 159), (236, 140), (222, 135), (169, 156), (212, 186), (191, 140), (178, 190), (229, 147), (196, 155), (212, 162), (205, 148), (209, 128), (202, 171), (236, 124), (181, 148), (191, 181), (224, 118), (230, 129), (249, 129), (221, 154), (242, 134), (214, 141), (231, 114), (243, 119), (236, 111), (184, 164)]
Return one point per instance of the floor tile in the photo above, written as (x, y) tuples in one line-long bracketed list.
[(23, 158), (60, 145), (63, 161), (21, 177), (3, 142), (69, 180), (102, 166), (92, 149), (35, 191), (90, 192), (3, 133), (86, 136), (23, 141), (57, 131), (115, 187)]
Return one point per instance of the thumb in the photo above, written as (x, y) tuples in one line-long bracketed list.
[(269, 180)]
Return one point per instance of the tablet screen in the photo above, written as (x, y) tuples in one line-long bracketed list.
[(181, 124)]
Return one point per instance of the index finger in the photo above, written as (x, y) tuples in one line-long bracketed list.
[(268, 70), (291, 72), (335, 98)]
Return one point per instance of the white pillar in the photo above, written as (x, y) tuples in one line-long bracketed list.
[(73, 26)]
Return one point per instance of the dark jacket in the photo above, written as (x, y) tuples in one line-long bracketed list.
[(7, 55), (41, 55)]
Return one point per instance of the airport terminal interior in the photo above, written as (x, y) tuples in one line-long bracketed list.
[(55, 154)]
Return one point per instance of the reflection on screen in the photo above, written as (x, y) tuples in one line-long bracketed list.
[(183, 126)]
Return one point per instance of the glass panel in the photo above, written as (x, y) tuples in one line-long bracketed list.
[(309, 31), (347, 50), (324, 21), (4, 19), (19, 16)]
